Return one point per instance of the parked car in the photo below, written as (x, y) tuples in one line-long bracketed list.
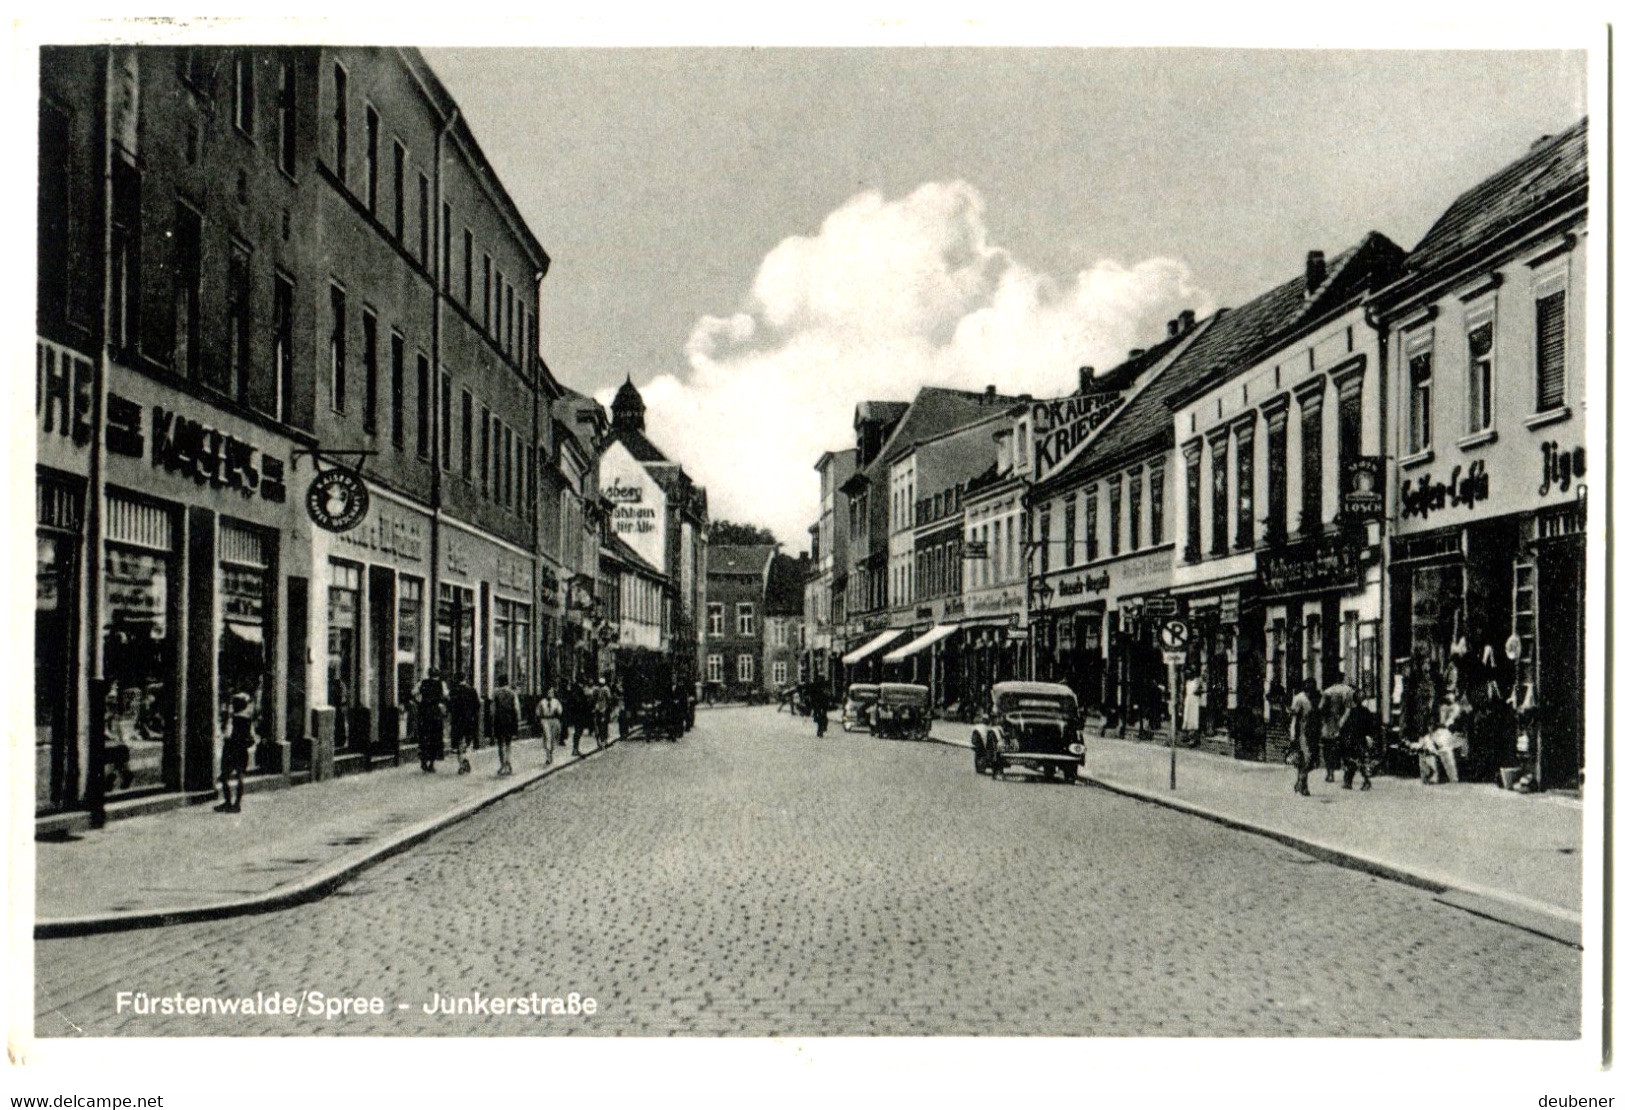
[(903, 712), (857, 710), (1034, 726)]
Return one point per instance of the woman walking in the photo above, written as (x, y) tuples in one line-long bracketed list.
[(552, 714), (431, 719), (504, 721), (465, 721)]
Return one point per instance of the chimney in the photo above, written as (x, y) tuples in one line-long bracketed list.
[(989, 394), (1136, 352), (1187, 320), (1314, 271), (1086, 376), (1025, 397), (1173, 328)]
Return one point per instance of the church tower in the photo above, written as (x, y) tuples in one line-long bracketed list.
[(627, 408)]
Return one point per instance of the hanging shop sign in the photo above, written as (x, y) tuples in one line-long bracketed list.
[(1560, 468), (1466, 488), (1362, 488), (1332, 562), (337, 500)]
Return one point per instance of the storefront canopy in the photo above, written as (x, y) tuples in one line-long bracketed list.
[(920, 643), (871, 647)]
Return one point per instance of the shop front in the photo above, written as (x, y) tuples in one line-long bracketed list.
[(994, 640), (188, 621), (1082, 627), (485, 615)]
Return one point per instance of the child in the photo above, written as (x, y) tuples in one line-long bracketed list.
[(234, 752)]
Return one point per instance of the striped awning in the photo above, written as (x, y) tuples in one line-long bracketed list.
[(874, 645), (920, 643)]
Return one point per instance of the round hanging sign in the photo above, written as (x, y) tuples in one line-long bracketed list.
[(337, 500)]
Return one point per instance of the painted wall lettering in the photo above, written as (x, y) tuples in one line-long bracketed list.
[(1423, 495)]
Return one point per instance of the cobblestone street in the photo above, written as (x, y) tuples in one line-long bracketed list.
[(752, 879)]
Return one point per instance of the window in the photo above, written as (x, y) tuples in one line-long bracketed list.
[(746, 620), (237, 319), (1312, 481), (55, 204), (507, 465), (1091, 524), (468, 436), (1136, 496), (408, 635), (335, 346), (746, 668), (425, 405), (343, 633), (1069, 532), (242, 92), (1114, 495), (397, 390), (423, 219), (1193, 502), (341, 123), (372, 160), (468, 268), (286, 121), (713, 668), (1043, 540), (1551, 342), (485, 452), (485, 314), (1480, 374), (282, 346), (188, 290), (1419, 364), (520, 454), (1244, 490), (781, 672), (508, 330), (369, 371), (400, 193), (496, 460), (496, 328), (445, 421), (445, 246), (713, 625), (1156, 506), (1275, 461), (1221, 494)]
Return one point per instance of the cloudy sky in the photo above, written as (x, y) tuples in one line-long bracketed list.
[(761, 238)]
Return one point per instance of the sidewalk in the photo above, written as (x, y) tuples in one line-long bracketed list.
[(1514, 857), (285, 847)]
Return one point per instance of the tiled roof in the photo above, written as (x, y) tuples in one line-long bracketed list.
[(1232, 341), (1553, 167), (934, 410), (739, 558), (785, 578), (637, 445)]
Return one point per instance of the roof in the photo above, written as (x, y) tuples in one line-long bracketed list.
[(739, 558), (621, 550), (1554, 167), (1231, 342), (637, 445), (786, 575), (934, 410), (884, 412)]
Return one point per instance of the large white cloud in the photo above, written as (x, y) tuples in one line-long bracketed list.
[(886, 297)]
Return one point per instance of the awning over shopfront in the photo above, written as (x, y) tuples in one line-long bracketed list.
[(858, 654), (920, 643)]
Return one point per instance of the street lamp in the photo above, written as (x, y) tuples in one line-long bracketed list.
[(1038, 596)]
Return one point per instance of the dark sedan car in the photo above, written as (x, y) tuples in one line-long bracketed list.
[(1034, 726)]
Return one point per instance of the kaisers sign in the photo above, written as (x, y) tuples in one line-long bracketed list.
[(337, 500)]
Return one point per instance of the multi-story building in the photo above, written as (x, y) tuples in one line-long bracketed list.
[(783, 622), (736, 591), (995, 640), (1488, 475), (273, 431), (821, 617), (1279, 574)]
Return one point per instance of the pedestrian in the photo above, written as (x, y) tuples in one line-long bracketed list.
[(234, 751), (603, 702), (552, 714), (431, 719), (504, 721), (577, 715), (1304, 714), (818, 705), (1335, 701), (465, 721), (1358, 737), (1190, 717)]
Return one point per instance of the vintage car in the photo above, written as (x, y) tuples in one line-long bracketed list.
[(858, 709), (903, 712), (1034, 726)]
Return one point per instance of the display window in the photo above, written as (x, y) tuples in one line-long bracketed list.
[(454, 632), (138, 647), (244, 662), (343, 641)]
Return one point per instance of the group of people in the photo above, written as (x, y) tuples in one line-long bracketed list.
[(1332, 728), (585, 708), (459, 707)]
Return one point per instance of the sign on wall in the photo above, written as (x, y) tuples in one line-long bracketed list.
[(1062, 426)]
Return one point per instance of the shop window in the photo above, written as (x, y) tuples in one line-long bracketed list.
[(454, 631), (244, 662), (408, 634), (510, 642), (343, 639), (1551, 342), (1525, 615), (1480, 374)]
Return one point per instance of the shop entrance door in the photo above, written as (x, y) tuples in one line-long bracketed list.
[(55, 762), (1560, 616)]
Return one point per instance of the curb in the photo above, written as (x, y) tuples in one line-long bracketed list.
[(314, 886), (1551, 922)]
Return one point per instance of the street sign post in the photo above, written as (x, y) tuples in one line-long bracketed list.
[(1174, 634)]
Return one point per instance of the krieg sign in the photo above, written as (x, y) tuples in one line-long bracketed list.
[(1061, 427)]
